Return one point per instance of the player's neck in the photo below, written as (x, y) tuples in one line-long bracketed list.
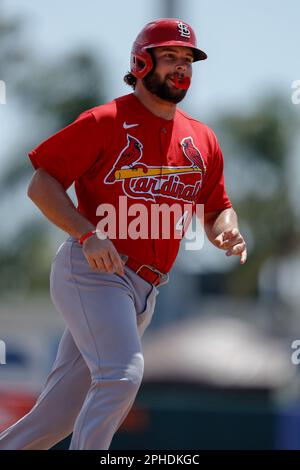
[(157, 106)]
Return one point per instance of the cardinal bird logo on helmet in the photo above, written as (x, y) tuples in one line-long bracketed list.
[(193, 154), (127, 158)]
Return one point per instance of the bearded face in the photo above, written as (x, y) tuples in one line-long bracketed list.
[(164, 88), (170, 76)]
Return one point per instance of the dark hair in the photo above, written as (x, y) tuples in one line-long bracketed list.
[(130, 80)]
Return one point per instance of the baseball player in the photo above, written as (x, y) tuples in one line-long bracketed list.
[(139, 149)]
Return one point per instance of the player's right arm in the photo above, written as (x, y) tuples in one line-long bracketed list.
[(50, 197)]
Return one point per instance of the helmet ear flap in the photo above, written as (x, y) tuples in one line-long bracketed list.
[(141, 64)]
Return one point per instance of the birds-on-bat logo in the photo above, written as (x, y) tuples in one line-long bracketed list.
[(147, 182), (129, 155), (193, 153)]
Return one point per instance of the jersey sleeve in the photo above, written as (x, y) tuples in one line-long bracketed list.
[(213, 194), (69, 153)]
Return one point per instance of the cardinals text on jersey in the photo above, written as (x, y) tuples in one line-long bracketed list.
[(143, 181)]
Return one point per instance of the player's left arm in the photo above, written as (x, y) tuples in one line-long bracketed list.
[(223, 231)]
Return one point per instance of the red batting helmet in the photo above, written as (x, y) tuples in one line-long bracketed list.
[(162, 32)]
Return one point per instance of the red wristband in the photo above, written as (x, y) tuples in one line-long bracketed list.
[(86, 235)]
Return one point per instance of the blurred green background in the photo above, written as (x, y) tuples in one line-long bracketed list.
[(218, 366)]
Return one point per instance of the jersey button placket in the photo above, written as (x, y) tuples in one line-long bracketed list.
[(164, 162), (163, 151), (163, 133)]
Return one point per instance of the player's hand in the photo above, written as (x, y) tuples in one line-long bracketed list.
[(102, 255), (233, 242)]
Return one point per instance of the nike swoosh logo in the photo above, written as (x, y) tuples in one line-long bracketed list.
[(128, 126)]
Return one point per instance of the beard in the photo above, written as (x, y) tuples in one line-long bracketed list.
[(161, 89)]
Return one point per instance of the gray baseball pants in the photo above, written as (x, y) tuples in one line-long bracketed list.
[(99, 365)]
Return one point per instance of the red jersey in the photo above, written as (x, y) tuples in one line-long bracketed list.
[(122, 149)]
